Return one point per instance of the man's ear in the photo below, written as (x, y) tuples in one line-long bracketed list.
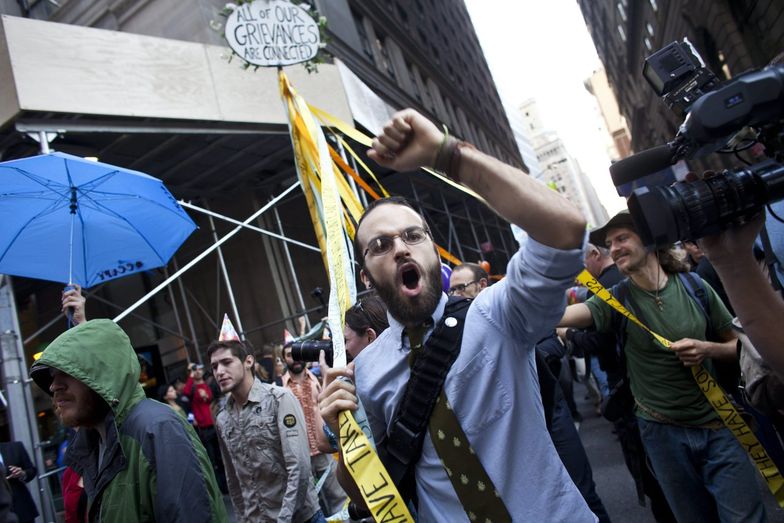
[(249, 361), (365, 279), (483, 283)]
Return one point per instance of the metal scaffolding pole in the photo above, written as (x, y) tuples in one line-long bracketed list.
[(175, 308), (187, 315), (471, 225), (424, 212), (226, 279), (503, 240), (484, 227), (17, 385), (291, 268), (201, 256), (362, 195), (248, 226), (452, 230)]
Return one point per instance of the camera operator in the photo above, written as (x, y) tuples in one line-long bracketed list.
[(703, 470), (758, 306)]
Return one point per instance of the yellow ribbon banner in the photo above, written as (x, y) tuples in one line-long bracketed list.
[(713, 393), (329, 199), (375, 484)]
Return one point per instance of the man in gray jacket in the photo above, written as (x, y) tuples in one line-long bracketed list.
[(263, 441)]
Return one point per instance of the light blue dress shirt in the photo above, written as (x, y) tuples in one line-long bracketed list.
[(494, 390)]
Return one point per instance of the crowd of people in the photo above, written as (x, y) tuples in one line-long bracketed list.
[(467, 389)]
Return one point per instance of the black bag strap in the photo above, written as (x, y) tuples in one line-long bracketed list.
[(403, 444), (695, 286)]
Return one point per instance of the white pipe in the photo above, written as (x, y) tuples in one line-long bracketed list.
[(196, 260), (189, 205)]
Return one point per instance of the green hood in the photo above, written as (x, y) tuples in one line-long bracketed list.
[(99, 354)]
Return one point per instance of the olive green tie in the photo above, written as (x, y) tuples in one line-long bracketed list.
[(478, 496)]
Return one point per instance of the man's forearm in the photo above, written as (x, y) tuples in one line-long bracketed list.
[(545, 215), (347, 482), (724, 350), (759, 307)]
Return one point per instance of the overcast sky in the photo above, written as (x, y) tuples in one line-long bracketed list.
[(543, 50)]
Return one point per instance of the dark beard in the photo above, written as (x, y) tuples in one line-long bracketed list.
[(293, 367), (416, 310)]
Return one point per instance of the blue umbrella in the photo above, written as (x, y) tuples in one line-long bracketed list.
[(72, 220)]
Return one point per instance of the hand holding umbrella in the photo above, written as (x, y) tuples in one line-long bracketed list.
[(73, 304)]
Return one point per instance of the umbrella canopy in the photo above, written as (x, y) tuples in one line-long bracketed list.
[(73, 220)]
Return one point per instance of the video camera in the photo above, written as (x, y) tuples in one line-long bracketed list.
[(726, 118), (309, 350)]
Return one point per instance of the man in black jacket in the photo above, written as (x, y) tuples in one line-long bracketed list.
[(19, 470)]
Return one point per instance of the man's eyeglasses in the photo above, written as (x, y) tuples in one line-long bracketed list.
[(460, 287), (383, 244)]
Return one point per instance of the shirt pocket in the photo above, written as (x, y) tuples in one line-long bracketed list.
[(262, 443), (261, 431), (477, 394)]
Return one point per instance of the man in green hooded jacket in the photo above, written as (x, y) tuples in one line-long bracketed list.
[(139, 460)]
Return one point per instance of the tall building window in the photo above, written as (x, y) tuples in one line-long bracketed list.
[(402, 15), (622, 33), (363, 37), (648, 44), (654, 5), (381, 42), (621, 11), (649, 28), (414, 83)]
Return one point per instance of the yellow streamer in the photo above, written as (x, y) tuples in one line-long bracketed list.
[(337, 200), (367, 141), (713, 393), (362, 163)]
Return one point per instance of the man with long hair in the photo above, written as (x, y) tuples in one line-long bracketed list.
[(702, 469)]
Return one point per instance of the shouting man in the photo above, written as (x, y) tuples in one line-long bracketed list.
[(487, 453)]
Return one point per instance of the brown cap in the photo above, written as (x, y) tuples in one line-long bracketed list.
[(622, 219)]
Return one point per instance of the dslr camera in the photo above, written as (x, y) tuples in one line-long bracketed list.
[(309, 350), (725, 118)]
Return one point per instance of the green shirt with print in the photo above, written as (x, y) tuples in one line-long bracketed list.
[(658, 379)]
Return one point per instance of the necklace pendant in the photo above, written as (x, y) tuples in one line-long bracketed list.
[(659, 303)]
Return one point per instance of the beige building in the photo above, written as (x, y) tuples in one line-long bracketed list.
[(620, 140), (558, 168)]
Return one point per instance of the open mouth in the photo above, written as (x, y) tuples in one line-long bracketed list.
[(410, 279)]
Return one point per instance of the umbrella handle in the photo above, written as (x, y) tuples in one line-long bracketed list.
[(69, 312)]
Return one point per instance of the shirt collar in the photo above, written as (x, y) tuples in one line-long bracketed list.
[(254, 395)]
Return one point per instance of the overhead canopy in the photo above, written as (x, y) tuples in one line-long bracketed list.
[(178, 110)]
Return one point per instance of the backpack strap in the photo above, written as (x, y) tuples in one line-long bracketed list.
[(403, 445), (695, 286)]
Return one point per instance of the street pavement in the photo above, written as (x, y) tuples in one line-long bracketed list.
[(614, 484)]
